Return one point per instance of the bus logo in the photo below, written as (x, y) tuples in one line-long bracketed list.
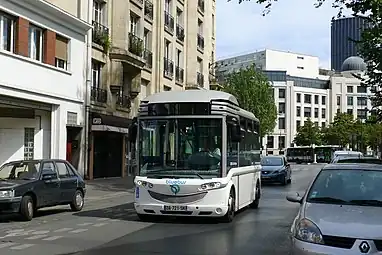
[(175, 189)]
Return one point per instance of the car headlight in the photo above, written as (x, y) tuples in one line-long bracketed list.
[(7, 193), (144, 184), (307, 231), (211, 185)]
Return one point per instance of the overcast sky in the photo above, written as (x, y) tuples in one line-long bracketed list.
[(292, 25)]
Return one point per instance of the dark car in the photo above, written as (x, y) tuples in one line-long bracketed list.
[(28, 185), (357, 160), (275, 169)]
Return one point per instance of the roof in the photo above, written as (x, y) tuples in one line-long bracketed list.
[(353, 166), (354, 63)]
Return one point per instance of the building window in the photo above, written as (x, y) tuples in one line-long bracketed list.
[(98, 11), (350, 89), (298, 124), (7, 33), (350, 100), (281, 123), (361, 89), (338, 100), (134, 24), (35, 43), (323, 100), (281, 93), (361, 101), (270, 141), (323, 113), (298, 98), (281, 108), (307, 112), (323, 124), (281, 142), (307, 99), (316, 112), (96, 74), (298, 111), (361, 114), (316, 99), (28, 143), (316, 123), (349, 111), (61, 52)]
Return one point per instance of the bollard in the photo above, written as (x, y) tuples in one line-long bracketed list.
[(315, 159)]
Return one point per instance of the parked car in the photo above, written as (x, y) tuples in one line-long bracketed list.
[(27, 185), (275, 169), (358, 160), (341, 212)]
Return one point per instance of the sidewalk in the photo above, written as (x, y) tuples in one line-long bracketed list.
[(109, 188)]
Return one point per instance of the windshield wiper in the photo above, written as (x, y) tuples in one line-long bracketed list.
[(371, 202), (326, 199)]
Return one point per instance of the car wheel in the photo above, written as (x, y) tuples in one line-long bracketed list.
[(228, 217), (284, 180), (27, 208), (256, 202), (77, 201)]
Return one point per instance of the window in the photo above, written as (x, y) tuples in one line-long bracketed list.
[(7, 33), (281, 142), (349, 111), (350, 100), (316, 99), (98, 11), (323, 100), (213, 25), (147, 39), (316, 112), (167, 49), (323, 113), (167, 6), (350, 89), (61, 52), (316, 123), (134, 24), (298, 98), (28, 143), (270, 141), (281, 93), (281, 108), (298, 111), (323, 124), (362, 101), (300, 67), (63, 170), (166, 88), (281, 123), (361, 89), (307, 99), (178, 60), (200, 27), (179, 17), (96, 74), (35, 43), (307, 112), (338, 100), (249, 147), (298, 124), (46, 166), (361, 114)]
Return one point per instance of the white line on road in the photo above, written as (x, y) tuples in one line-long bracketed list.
[(42, 232), (79, 230), (102, 219), (21, 247), (84, 224), (4, 245), (62, 230), (14, 230), (99, 224), (36, 237), (52, 238)]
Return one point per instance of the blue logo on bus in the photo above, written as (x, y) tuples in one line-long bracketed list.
[(175, 182), (175, 189)]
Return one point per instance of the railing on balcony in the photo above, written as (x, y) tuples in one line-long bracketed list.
[(200, 42), (201, 5), (200, 79), (139, 1), (168, 70), (179, 74), (98, 95), (135, 45), (179, 32), (123, 101), (148, 56), (169, 22), (149, 10), (100, 33)]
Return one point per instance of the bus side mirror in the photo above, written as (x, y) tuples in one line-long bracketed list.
[(235, 132)]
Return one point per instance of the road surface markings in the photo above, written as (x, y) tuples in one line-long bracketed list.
[(79, 230), (21, 247), (15, 230), (99, 224), (102, 219), (63, 230), (42, 232), (84, 224), (36, 237), (52, 238)]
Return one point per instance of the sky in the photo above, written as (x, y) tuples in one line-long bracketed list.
[(292, 25)]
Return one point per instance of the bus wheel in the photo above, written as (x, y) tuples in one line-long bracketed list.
[(228, 217), (256, 202)]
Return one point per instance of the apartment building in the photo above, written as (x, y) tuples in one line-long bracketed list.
[(139, 47), (41, 82), (302, 90)]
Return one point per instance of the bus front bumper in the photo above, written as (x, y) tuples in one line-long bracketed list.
[(181, 210)]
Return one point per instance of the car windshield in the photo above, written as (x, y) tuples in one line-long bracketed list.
[(20, 170), (180, 147), (347, 186), (271, 161)]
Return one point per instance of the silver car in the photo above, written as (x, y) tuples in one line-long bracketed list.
[(341, 212)]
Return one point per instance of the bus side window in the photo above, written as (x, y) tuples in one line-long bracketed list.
[(232, 150), (244, 147)]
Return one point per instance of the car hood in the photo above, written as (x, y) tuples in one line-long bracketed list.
[(7, 184), (271, 168), (346, 220)]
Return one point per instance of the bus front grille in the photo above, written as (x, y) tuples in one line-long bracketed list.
[(179, 199)]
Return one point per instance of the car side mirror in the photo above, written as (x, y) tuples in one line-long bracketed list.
[(295, 198), (48, 175)]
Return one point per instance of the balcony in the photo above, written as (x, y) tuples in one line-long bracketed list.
[(169, 22), (149, 10), (179, 33), (98, 95), (138, 2), (179, 75), (101, 36), (200, 42), (123, 101), (200, 79), (148, 56), (201, 6), (168, 70), (135, 45)]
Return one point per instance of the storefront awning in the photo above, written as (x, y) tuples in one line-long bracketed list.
[(109, 123)]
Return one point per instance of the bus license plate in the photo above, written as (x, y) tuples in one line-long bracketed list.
[(175, 207)]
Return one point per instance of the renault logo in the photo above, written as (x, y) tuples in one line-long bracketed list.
[(175, 189), (364, 247)]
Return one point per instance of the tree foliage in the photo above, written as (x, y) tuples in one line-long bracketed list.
[(254, 93), (308, 134), (340, 130)]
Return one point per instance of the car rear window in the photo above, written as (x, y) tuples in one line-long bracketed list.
[(360, 160)]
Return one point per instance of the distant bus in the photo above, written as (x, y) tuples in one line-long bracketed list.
[(305, 154)]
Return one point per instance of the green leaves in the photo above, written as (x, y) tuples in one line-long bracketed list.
[(254, 93), (308, 134)]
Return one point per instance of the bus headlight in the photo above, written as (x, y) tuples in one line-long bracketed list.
[(211, 185), (144, 184)]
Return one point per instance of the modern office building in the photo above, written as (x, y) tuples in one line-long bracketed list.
[(344, 31), (138, 47), (302, 91)]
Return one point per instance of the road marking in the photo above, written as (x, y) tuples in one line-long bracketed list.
[(62, 230), (102, 219), (14, 230), (52, 238), (21, 247), (84, 224), (99, 224), (115, 220), (79, 230), (119, 215), (4, 245), (42, 232), (36, 237)]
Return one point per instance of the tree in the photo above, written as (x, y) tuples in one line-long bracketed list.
[(340, 131), (371, 39), (308, 134), (255, 94)]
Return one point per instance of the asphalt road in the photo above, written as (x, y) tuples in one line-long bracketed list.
[(110, 226)]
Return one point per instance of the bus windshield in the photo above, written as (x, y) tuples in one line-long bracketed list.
[(180, 147)]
